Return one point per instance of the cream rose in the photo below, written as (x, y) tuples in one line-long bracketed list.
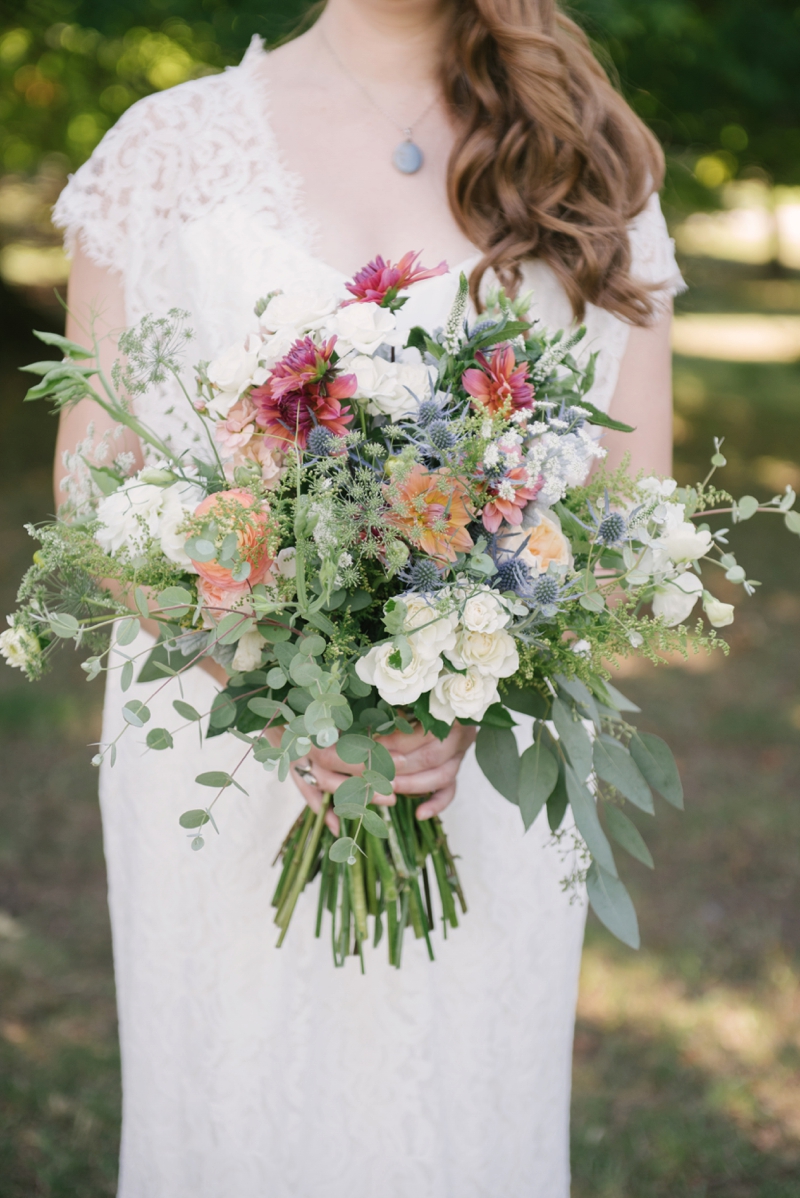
[(178, 502), (392, 389), (248, 652), (232, 372), (302, 310), (463, 696), (429, 632), (484, 612), (491, 653), (129, 517), (684, 543), (396, 685), (719, 614), (673, 601)]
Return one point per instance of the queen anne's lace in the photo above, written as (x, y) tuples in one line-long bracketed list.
[(253, 1072)]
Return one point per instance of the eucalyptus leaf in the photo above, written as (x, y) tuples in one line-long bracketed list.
[(269, 708), (159, 738), (128, 631), (311, 646), (612, 905), (581, 800), (792, 521), (498, 757), (593, 601), (303, 671), (276, 679), (746, 508), (626, 834), (193, 819), (654, 758), (375, 825), (186, 710), (64, 625), (342, 849), (574, 739), (378, 782), (614, 765), (232, 628), (526, 700), (382, 761), (538, 774), (352, 790), (578, 691), (135, 713), (140, 599), (223, 711), (497, 716), (619, 700), (355, 749), (214, 778), (351, 810), (126, 675), (178, 600)]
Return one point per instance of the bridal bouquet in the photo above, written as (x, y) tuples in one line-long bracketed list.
[(383, 531)]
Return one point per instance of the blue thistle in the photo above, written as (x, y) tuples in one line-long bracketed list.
[(320, 441), (612, 528), (545, 590), (423, 575), (441, 436), (429, 411), (513, 575)]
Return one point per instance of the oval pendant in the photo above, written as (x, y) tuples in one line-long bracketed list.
[(408, 157)]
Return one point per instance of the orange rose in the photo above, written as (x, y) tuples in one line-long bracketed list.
[(230, 511)]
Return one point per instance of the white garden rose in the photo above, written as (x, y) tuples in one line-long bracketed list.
[(248, 652), (430, 632), (364, 328), (129, 517), (685, 542), (463, 696), (719, 614), (491, 653), (398, 686), (484, 612), (674, 600), (393, 389), (178, 502), (232, 372), (278, 345), (302, 310)]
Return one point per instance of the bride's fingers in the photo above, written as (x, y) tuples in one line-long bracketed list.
[(437, 802), (313, 796), (428, 781), (328, 781)]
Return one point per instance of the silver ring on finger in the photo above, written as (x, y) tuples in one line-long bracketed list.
[(307, 775)]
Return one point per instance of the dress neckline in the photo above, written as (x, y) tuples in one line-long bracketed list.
[(255, 60)]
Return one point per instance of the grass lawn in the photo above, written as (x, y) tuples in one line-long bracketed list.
[(687, 1055)]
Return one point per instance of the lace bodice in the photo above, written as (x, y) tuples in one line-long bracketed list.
[(188, 199)]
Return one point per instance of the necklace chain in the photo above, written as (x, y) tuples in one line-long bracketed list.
[(405, 129)]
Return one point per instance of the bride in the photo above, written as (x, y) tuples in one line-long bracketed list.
[(484, 133)]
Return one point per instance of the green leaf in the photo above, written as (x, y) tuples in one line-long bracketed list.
[(538, 774), (318, 620), (64, 625), (358, 601), (311, 646), (342, 849), (578, 691), (178, 600), (600, 419), (70, 349), (354, 749), (200, 550), (746, 508), (526, 700), (140, 599), (276, 679), (276, 634), (792, 521), (378, 782), (581, 800), (198, 843), (105, 480), (269, 708), (350, 810), (223, 711), (618, 700), (303, 671), (612, 905), (626, 834), (352, 790), (298, 699), (574, 739), (594, 601), (159, 738), (382, 761), (160, 656), (498, 717), (614, 765), (559, 800), (214, 778), (375, 825), (232, 628), (128, 631), (356, 686), (429, 724), (498, 756), (186, 710), (194, 819), (126, 676), (654, 758), (135, 713)]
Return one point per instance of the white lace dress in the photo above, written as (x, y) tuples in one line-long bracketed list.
[(250, 1072)]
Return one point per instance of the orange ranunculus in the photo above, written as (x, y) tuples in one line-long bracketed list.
[(537, 545), (229, 509), (429, 509)]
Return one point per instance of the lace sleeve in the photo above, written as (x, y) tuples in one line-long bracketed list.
[(96, 205), (653, 251)]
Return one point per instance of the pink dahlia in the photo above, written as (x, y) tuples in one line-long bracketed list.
[(380, 282), (508, 497), (302, 390), (500, 385)]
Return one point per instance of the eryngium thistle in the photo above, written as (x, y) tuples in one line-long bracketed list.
[(513, 575), (428, 412), (441, 436), (545, 590), (612, 528), (320, 441), (424, 575)]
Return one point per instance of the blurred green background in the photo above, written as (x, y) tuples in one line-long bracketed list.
[(687, 1055)]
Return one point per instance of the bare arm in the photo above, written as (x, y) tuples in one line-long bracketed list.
[(643, 398)]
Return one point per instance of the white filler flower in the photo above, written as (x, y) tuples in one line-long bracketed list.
[(719, 614), (19, 647)]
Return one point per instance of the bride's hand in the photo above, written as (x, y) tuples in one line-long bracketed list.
[(424, 766)]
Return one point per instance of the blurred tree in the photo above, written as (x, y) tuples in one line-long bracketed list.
[(716, 79)]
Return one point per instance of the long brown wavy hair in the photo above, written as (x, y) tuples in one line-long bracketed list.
[(549, 160)]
